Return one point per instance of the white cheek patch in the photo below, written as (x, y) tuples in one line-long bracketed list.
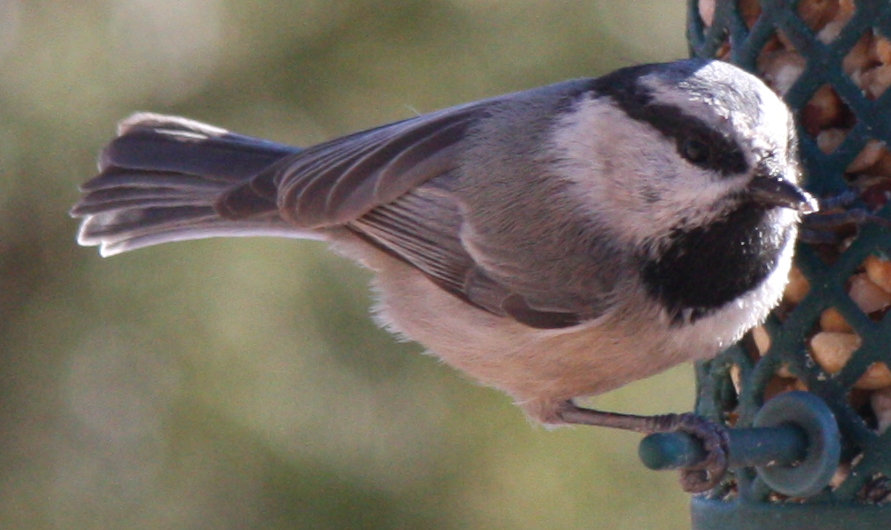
[(630, 176)]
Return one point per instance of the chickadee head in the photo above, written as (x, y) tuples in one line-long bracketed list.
[(654, 148)]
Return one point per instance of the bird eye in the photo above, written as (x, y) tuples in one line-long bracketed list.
[(696, 151)]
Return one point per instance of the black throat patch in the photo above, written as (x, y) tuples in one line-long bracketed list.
[(705, 268)]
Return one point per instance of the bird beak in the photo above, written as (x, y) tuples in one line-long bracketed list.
[(773, 191)]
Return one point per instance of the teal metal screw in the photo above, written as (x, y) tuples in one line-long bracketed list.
[(794, 446)]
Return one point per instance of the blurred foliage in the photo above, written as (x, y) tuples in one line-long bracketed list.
[(239, 383)]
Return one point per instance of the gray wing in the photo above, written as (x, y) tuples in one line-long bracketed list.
[(385, 184), (422, 227), (339, 181)]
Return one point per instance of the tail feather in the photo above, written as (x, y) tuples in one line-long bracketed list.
[(142, 196), (114, 177), (170, 146), (160, 179), (141, 221)]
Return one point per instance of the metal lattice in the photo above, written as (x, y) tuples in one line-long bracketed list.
[(831, 62)]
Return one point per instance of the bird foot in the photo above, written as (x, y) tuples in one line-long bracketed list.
[(696, 478)]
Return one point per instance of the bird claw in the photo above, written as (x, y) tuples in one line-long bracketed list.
[(701, 476), (707, 473)]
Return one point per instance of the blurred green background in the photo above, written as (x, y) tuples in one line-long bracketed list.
[(239, 383)]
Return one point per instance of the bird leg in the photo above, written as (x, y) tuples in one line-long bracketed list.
[(699, 477)]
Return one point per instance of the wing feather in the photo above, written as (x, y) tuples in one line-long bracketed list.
[(391, 185), (339, 181), (422, 227)]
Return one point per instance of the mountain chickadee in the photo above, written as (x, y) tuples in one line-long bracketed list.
[(554, 243)]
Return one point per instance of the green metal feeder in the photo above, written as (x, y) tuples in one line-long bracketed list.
[(810, 443)]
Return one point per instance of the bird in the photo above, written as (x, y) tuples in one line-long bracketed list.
[(554, 243)]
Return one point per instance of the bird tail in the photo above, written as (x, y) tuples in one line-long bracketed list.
[(160, 179)]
